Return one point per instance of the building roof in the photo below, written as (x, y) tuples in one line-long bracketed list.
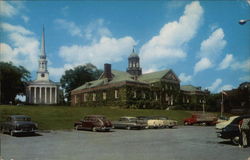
[(190, 88), (119, 76)]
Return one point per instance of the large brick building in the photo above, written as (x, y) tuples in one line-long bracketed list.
[(130, 89)]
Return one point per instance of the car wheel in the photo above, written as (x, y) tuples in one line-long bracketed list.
[(204, 124), (94, 129), (170, 126), (185, 123), (235, 140), (128, 127)]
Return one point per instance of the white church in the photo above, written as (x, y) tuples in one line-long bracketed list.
[(42, 90)]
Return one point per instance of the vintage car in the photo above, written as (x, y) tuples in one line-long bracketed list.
[(165, 122), (94, 123), (151, 122), (230, 129), (129, 123), (17, 124)]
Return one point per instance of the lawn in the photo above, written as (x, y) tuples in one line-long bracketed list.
[(63, 117)]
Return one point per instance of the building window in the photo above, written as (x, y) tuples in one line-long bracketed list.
[(116, 94), (134, 94), (85, 97), (166, 98), (156, 97), (104, 95), (143, 95), (94, 96)]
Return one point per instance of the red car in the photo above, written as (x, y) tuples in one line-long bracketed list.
[(203, 119), (94, 123)]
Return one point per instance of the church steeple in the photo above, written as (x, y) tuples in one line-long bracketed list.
[(42, 73), (43, 54), (134, 64)]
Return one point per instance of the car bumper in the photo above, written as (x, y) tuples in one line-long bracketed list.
[(104, 128), (25, 131)]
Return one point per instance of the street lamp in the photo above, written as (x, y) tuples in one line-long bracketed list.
[(243, 21)]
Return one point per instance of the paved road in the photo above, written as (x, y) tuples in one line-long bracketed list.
[(184, 143)]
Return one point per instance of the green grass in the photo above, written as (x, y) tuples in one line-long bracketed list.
[(63, 117)]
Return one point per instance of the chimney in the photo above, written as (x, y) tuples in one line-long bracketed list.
[(107, 71)]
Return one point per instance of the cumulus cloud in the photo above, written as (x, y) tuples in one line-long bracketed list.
[(185, 78), (168, 46), (244, 66), (105, 50), (226, 87), (23, 47), (215, 85), (71, 27), (25, 18), (203, 64), (245, 78), (212, 47), (6, 9), (225, 63)]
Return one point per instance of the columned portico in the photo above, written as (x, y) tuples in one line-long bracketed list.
[(42, 90)]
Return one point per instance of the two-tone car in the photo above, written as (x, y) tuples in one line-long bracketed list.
[(151, 122), (129, 123), (17, 124), (166, 122), (94, 123)]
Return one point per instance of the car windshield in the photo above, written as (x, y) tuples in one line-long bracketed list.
[(132, 119), (22, 119)]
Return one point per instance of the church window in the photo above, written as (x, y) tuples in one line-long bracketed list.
[(137, 64), (143, 95), (104, 95), (42, 75), (156, 97)]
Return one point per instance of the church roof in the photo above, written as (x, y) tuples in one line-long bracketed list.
[(41, 82), (133, 54), (190, 88), (154, 76)]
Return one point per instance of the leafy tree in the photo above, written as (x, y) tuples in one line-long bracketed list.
[(13, 81), (76, 77)]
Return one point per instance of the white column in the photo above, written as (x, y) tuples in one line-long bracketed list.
[(45, 90), (50, 96), (29, 94), (40, 94), (35, 94), (55, 94)]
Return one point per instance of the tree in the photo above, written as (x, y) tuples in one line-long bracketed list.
[(13, 81), (76, 77)]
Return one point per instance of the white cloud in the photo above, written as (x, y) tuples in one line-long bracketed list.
[(225, 63), (71, 27), (168, 46), (23, 47), (248, 1), (244, 66), (15, 28), (215, 85), (106, 50), (245, 78), (25, 18), (56, 72), (226, 87), (6, 9), (185, 78), (203, 64), (212, 47)]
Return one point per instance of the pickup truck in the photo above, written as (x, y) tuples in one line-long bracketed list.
[(201, 119), (129, 123)]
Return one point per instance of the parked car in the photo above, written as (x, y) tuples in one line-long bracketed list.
[(129, 123), (94, 123), (201, 119), (17, 124), (221, 119), (230, 129), (151, 122), (166, 122)]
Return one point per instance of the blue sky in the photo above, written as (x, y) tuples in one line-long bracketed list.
[(201, 41)]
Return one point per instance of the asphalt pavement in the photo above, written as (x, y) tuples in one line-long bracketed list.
[(182, 143)]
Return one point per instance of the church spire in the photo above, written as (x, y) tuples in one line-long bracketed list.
[(43, 54)]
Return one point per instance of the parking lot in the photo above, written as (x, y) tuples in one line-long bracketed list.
[(183, 143)]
